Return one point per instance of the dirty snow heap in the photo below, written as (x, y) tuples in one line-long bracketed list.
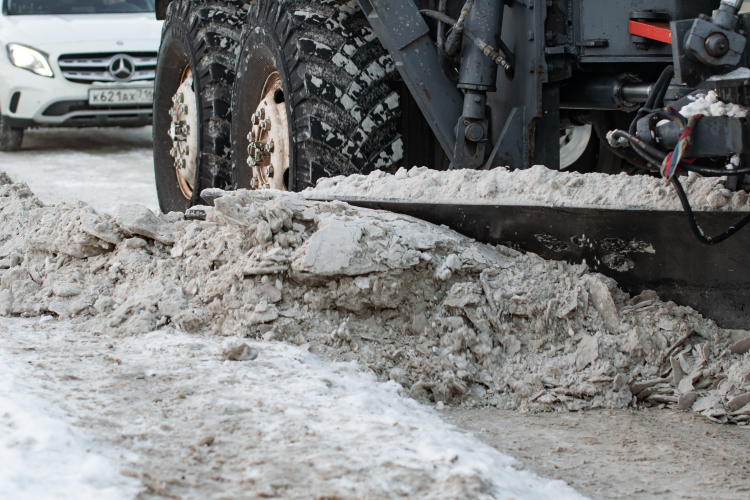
[(448, 318)]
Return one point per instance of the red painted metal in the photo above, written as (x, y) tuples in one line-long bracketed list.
[(653, 31)]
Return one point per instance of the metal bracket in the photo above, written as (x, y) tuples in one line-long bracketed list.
[(698, 43), (402, 31)]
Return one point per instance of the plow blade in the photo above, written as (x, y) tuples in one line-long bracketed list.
[(641, 249)]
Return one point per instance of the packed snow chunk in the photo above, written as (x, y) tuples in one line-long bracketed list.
[(42, 456), (537, 186), (140, 221), (235, 349), (332, 247)]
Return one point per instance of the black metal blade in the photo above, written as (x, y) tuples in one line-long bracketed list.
[(641, 249)]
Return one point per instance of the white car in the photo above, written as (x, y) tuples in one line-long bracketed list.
[(76, 63)]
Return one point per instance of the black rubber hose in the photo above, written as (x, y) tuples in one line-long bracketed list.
[(645, 151), (657, 95), (714, 172), (446, 64), (469, 34), (707, 240), (668, 74)]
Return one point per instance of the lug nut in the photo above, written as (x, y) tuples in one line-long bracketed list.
[(261, 114), (265, 125), (255, 120), (269, 171), (269, 147), (254, 183)]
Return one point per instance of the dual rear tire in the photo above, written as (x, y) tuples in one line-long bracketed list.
[(199, 41), (317, 63)]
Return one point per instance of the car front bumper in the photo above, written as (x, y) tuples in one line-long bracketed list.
[(57, 102)]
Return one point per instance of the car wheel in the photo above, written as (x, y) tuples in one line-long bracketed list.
[(10, 138), (316, 95), (194, 78)]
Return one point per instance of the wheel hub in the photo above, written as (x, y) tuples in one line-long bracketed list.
[(184, 133), (268, 149)]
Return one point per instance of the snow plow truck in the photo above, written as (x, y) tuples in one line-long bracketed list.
[(277, 94)]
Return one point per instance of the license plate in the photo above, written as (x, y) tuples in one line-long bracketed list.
[(121, 97)]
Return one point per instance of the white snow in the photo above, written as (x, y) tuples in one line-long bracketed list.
[(104, 167), (710, 105), (327, 428), (41, 455)]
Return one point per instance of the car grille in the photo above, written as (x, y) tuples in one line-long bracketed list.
[(90, 68)]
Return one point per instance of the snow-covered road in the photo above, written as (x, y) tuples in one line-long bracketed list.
[(166, 408), (102, 167), (42, 453)]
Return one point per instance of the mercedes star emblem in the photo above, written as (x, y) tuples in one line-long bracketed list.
[(122, 67)]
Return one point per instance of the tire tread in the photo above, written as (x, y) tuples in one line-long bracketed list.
[(215, 27), (344, 85)]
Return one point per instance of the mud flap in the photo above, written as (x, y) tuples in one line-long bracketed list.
[(642, 250)]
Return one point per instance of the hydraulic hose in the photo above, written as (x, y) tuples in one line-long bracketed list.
[(445, 62), (707, 240), (486, 48), (714, 172), (645, 151), (655, 98), (651, 154)]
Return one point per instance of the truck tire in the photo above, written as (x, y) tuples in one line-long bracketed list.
[(192, 99), (10, 138), (579, 149), (327, 90)]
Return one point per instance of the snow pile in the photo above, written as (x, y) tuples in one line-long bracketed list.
[(710, 105), (449, 319), (535, 186), (285, 425), (42, 456)]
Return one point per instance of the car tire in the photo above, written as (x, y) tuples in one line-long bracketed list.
[(10, 137), (339, 88), (199, 39)]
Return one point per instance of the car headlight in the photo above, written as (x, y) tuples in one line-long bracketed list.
[(30, 59)]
